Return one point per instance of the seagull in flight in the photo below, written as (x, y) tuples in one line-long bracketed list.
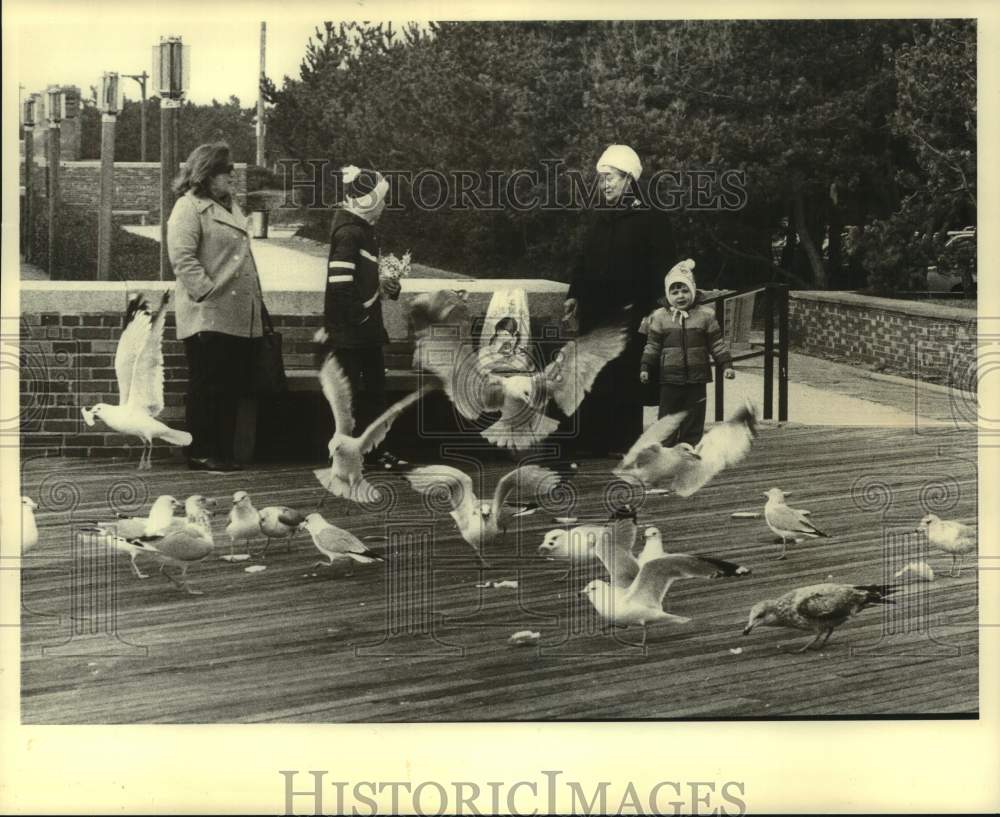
[(345, 477), (481, 524), (521, 399), (788, 523), (684, 468), (139, 370), (819, 608), (635, 594)]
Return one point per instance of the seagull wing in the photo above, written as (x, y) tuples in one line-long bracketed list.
[(654, 435), (621, 564), (575, 368), (146, 393), (337, 390), (433, 479), (656, 575), (290, 517), (467, 383), (528, 479), (133, 337), (725, 445), (380, 426), (784, 518), (337, 540)]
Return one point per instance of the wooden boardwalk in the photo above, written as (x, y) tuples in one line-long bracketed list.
[(416, 640)]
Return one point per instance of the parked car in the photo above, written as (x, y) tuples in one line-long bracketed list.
[(951, 281)]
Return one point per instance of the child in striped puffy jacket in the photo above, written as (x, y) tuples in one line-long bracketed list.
[(682, 341)]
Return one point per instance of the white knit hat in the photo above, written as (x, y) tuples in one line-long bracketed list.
[(681, 273), (620, 157)]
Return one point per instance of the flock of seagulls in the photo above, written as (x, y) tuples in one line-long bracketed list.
[(639, 572)]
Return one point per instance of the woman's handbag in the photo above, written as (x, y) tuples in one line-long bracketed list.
[(269, 364)]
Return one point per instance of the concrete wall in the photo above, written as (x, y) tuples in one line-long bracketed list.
[(69, 332), (909, 338)]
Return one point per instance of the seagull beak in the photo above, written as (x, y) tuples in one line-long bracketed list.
[(747, 629)]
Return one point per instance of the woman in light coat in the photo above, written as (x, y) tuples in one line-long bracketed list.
[(218, 302)]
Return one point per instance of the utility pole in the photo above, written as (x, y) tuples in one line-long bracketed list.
[(141, 79), (54, 108), (109, 105), (29, 117), (261, 128)]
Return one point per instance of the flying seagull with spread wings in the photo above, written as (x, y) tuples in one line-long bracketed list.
[(521, 399), (139, 370), (636, 592), (684, 468), (345, 476), (481, 523)]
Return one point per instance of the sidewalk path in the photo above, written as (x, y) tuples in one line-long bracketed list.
[(820, 392)]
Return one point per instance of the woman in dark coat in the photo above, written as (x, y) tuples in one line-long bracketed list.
[(628, 249)]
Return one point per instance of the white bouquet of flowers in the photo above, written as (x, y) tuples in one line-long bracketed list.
[(395, 268)]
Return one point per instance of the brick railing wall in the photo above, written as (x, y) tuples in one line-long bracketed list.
[(909, 338), (69, 332), (136, 184)]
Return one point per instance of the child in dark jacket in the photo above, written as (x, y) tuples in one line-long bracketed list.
[(683, 339)]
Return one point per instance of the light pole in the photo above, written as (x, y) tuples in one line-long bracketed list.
[(110, 104), (28, 118), (54, 109), (141, 79), (171, 70)]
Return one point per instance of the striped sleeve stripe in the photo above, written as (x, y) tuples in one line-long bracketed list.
[(339, 279), (341, 265), (368, 255)]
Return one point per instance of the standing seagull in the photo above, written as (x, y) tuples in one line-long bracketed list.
[(184, 542), (786, 522), (820, 608), (636, 594), (139, 370), (272, 522), (521, 399), (338, 545), (344, 477), (125, 529), (29, 530), (955, 538), (576, 544), (480, 523)]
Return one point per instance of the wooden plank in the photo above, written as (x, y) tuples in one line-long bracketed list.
[(282, 644)]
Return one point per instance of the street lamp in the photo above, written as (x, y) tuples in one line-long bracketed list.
[(171, 72), (110, 104)]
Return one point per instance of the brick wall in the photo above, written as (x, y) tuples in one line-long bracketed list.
[(136, 184), (69, 332), (909, 338)]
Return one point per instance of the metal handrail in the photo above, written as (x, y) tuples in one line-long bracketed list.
[(775, 299)]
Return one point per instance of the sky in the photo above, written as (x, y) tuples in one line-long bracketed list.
[(75, 43)]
